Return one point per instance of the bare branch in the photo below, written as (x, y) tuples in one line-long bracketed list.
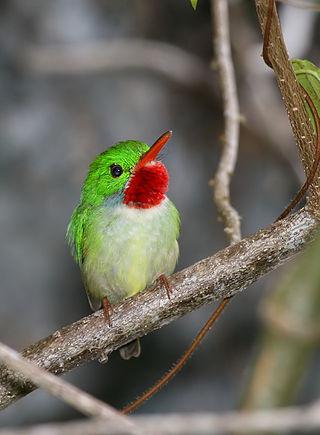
[(278, 421), (224, 274), (70, 394), (221, 181)]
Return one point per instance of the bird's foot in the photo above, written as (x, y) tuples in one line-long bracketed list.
[(107, 310), (166, 284)]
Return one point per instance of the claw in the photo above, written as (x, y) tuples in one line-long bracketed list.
[(107, 310), (166, 284)]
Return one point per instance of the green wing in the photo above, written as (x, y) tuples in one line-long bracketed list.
[(76, 238), (75, 232)]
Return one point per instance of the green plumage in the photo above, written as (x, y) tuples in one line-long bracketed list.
[(120, 249), (99, 185)]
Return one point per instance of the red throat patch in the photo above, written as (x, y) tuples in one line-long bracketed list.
[(147, 187)]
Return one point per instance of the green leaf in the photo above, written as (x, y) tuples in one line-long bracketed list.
[(194, 4), (308, 75)]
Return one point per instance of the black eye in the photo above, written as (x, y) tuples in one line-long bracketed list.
[(116, 170)]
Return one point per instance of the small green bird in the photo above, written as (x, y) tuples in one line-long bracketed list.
[(123, 233)]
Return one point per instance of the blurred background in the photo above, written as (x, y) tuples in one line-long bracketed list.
[(77, 76)]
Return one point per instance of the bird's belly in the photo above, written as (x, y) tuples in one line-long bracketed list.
[(129, 251)]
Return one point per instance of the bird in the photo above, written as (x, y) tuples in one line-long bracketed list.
[(124, 232)]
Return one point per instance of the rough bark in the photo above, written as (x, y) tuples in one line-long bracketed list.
[(224, 274)]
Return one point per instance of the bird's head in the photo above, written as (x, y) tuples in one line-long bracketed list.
[(128, 168)]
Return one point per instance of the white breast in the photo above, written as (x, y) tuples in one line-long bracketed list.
[(128, 248)]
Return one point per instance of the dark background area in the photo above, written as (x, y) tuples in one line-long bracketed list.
[(53, 124)]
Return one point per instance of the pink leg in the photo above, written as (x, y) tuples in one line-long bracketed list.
[(166, 284), (107, 309)]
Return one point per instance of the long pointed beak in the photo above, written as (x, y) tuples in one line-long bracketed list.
[(155, 149)]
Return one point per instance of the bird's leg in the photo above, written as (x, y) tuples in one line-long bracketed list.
[(166, 284), (107, 309)]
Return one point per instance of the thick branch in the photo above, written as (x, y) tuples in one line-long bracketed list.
[(224, 274), (221, 182)]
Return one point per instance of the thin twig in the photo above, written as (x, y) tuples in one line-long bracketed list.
[(221, 181), (70, 394), (266, 36), (178, 365), (280, 421)]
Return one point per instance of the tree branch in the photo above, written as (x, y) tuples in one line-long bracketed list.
[(224, 274), (280, 421), (63, 390), (221, 181)]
